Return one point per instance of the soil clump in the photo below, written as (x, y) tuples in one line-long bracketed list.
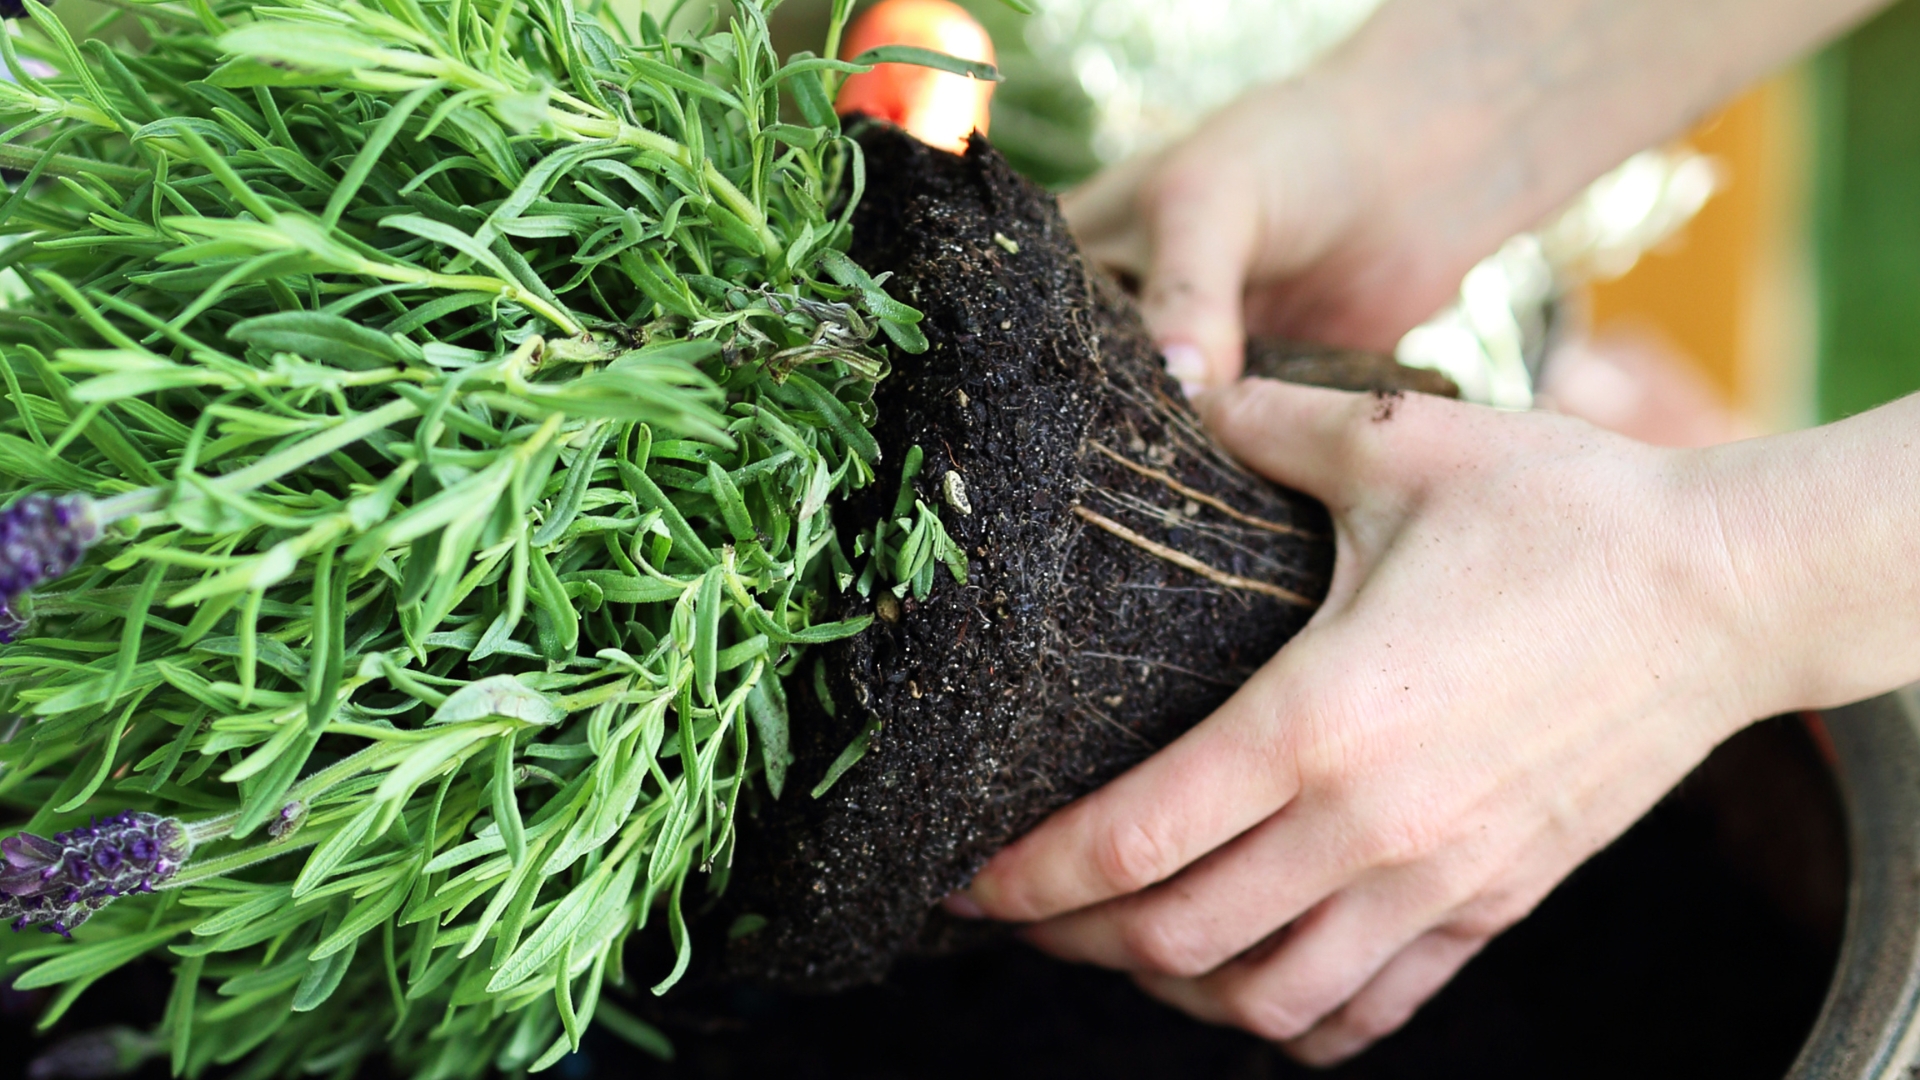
[(1126, 576)]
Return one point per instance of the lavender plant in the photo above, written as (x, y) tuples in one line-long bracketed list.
[(427, 417)]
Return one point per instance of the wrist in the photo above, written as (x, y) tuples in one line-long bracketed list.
[(1814, 531), (1730, 600)]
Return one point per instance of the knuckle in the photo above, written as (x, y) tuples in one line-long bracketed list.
[(1325, 745), (1488, 918), (1399, 837), (1319, 1050), (1398, 441), (1268, 1017), (1131, 856), (1168, 946), (1455, 882), (1369, 1021)]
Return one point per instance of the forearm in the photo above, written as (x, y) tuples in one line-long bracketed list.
[(1821, 533), (1470, 120)]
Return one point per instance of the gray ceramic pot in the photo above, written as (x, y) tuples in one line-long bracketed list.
[(1867, 1029)]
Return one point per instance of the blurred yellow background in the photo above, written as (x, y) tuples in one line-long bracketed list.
[(1796, 293), (1732, 293)]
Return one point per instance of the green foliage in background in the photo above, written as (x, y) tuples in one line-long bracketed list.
[(464, 387), (1867, 223)]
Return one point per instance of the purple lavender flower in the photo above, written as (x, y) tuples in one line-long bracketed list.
[(18, 10), (59, 883), (43, 537), (288, 820)]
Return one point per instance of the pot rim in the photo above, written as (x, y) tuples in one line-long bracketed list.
[(1869, 1027)]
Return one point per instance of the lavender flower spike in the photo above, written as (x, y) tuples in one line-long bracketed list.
[(43, 537), (59, 883)]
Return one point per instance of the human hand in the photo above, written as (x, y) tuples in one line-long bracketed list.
[(1533, 631), (1343, 207), (1247, 221)]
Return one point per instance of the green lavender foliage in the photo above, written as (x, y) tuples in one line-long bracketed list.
[(475, 380)]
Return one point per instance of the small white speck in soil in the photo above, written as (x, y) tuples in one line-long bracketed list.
[(953, 487)]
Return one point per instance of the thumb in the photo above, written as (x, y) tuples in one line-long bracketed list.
[(1104, 215), (1203, 234), (1302, 437)]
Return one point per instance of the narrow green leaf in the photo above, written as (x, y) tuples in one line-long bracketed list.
[(323, 978), (706, 635), (767, 707), (93, 959), (178, 1022), (364, 916), (369, 154), (334, 851), (498, 697), (316, 335), (837, 415), (928, 58), (573, 913), (579, 478), (506, 807), (637, 1032), (848, 758)]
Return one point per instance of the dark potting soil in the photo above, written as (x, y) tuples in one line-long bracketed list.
[(1698, 945), (1079, 643)]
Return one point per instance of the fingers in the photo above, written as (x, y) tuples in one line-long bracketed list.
[(1215, 909), (1104, 216), (1189, 233), (1386, 1003), (1346, 974), (1215, 782), (1322, 961), (1301, 436), (1202, 226)]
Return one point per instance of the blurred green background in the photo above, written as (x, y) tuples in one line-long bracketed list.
[(1861, 206), (1867, 213)]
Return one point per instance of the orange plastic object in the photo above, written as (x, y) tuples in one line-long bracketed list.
[(936, 107)]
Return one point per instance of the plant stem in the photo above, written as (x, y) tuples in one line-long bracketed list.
[(836, 26), (730, 195), (24, 159), (245, 857), (341, 435)]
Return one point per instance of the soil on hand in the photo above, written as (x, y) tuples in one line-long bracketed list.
[(1126, 577)]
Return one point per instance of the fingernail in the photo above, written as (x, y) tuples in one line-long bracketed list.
[(1188, 365), (962, 906)]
